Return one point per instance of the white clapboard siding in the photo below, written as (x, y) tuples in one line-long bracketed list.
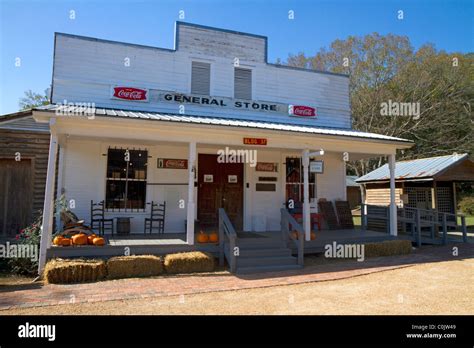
[(198, 40), (85, 69)]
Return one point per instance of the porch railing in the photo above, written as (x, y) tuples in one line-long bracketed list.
[(286, 221), (227, 231), (417, 219)]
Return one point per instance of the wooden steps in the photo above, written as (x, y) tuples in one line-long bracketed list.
[(259, 255)]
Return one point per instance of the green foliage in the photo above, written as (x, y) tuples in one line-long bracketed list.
[(466, 205), (32, 99), (386, 67), (30, 235)]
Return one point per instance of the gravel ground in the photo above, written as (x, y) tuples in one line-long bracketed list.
[(432, 288)]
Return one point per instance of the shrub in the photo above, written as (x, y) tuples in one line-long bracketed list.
[(59, 271), (388, 248), (466, 205), (189, 262), (134, 266), (30, 235)]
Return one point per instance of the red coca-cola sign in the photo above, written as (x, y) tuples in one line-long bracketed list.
[(130, 93), (301, 110)]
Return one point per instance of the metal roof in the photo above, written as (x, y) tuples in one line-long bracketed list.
[(218, 121), (351, 181), (22, 122), (418, 169)]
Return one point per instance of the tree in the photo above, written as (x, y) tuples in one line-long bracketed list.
[(387, 68), (32, 99)]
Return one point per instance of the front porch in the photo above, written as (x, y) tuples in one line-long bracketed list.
[(176, 242)]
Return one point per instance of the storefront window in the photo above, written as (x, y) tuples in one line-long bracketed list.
[(294, 181), (126, 179)]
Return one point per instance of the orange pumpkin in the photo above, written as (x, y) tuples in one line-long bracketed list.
[(294, 234), (79, 239), (99, 241), (213, 237), (202, 237), (57, 240), (65, 242), (313, 235), (90, 239)]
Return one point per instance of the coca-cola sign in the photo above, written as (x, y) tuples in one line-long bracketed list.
[(301, 110), (130, 93)]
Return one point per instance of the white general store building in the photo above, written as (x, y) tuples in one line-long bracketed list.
[(172, 110)]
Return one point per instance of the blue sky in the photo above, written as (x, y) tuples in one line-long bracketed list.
[(27, 28)]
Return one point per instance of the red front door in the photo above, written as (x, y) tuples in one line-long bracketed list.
[(220, 185)]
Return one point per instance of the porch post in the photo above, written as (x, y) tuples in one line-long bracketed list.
[(191, 204), (393, 206), (306, 209), (48, 208)]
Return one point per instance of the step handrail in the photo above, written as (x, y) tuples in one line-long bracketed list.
[(226, 229), (286, 220)]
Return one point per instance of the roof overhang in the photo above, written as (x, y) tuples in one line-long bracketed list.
[(138, 118)]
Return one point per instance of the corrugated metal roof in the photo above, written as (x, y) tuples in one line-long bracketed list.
[(351, 181), (424, 168), (23, 123), (232, 122)]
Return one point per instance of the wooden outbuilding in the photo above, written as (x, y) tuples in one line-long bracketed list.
[(427, 183), (24, 146)]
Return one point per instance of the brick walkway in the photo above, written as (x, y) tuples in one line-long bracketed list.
[(44, 295)]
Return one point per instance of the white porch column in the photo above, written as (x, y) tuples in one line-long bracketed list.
[(191, 205), (393, 206), (306, 209), (48, 208)]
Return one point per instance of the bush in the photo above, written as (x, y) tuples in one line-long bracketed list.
[(189, 262), (30, 235), (59, 271), (134, 266), (388, 248), (466, 205)]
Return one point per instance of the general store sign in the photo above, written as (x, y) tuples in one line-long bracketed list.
[(158, 96), (130, 93), (221, 102), (172, 163)]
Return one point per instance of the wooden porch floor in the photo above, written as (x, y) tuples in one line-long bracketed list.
[(138, 243)]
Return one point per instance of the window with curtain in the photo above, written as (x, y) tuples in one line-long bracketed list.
[(126, 179)]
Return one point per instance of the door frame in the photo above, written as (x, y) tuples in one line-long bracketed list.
[(208, 151), (32, 160)]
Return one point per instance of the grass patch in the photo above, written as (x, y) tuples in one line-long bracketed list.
[(388, 248), (189, 262), (59, 271), (134, 266)]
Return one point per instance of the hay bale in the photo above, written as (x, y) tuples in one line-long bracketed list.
[(388, 248), (189, 262), (134, 266), (59, 271)]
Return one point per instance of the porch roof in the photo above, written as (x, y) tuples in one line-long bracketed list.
[(219, 121)]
